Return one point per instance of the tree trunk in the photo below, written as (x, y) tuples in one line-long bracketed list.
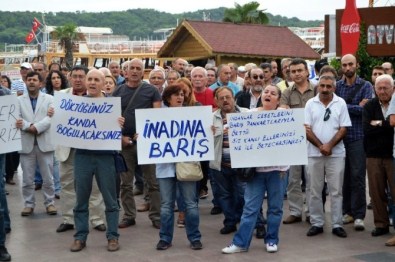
[(68, 53)]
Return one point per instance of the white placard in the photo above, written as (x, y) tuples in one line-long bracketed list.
[(267, 138), (86, 123), (10, 135), (174, 134)]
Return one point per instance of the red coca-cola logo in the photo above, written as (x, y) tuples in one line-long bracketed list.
[(349, 29)]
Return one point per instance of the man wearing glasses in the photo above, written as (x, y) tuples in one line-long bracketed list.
[(251, 98), (326, 119), (296, 96)]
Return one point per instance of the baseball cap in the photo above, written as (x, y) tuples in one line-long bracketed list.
[(241, 69), (27, 65)]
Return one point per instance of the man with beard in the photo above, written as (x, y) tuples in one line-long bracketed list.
[(251, 98), (356, 92)]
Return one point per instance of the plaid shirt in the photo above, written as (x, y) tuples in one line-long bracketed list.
[(354, 132)]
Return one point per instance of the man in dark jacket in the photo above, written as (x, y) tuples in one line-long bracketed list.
[(251, 98), (378, 142)]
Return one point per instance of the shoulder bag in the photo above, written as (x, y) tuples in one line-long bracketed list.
[(189, 171)]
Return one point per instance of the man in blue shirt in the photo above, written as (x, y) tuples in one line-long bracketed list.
[(224, 74), (356, 92)]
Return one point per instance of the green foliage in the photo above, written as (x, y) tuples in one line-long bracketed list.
[(66, 35), (136, 23), (247, 13), (366, 62)]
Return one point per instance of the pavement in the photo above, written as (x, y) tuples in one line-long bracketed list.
[(34, 239)]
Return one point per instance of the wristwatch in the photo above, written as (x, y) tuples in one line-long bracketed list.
[(130, 141)]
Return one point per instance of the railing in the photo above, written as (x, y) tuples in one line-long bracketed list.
[(121, 47)]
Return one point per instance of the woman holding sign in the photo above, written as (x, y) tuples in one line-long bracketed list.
[(266, 179), (173, 96)]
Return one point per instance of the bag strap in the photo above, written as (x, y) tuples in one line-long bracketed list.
[(355, 91), (132, 99)]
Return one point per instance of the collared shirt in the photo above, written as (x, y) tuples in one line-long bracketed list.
[(254, 100), (230, 84), (34, 103), (355, 132), (293, 98), (391, 111), (325, 130)]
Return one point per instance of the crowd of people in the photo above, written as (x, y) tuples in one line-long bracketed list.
[(349, 126)]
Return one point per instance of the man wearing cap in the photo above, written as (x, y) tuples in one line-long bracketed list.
[(241, 71), (19, 86)]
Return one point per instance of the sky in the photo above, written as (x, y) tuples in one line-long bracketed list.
[(302, 9)]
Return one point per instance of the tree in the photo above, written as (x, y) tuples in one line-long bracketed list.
[(248, 13), (66, 35)]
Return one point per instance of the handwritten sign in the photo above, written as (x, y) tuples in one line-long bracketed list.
[(174, 134), (267, 138), (86, 123), (10, 135)]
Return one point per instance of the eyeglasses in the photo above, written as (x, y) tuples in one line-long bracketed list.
[(223, 98), (255, 77), (327, 114), (156, 78), (377, 74)]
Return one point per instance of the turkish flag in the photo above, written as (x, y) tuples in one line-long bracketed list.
[(29, 37), (35, 24)]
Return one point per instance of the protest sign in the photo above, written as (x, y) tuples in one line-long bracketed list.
[(10, 135), (174, 134), (86, 123), (267, 138)]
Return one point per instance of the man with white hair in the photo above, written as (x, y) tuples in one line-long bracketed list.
[(157, 78), (378, 142), (116, 72)]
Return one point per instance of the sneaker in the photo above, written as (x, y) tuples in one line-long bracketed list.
[(232, 248), (271, 248), (196, 245), (27, 211), (359, 225), (181, 219), (113, 245), (347, 219), (4, 255), (203, 194), (162, 245), (51, 210), (216, 210)]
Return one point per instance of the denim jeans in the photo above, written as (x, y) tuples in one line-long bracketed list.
[(56, 178), (3, 201), (214, 188), (354, 186), (230, 194), (167, 188), (271, 183), (102, 167)]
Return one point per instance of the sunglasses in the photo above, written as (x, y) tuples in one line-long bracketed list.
[(255, 77), (327, 114)]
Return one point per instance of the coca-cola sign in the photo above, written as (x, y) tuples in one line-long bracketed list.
[(349, 29)]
